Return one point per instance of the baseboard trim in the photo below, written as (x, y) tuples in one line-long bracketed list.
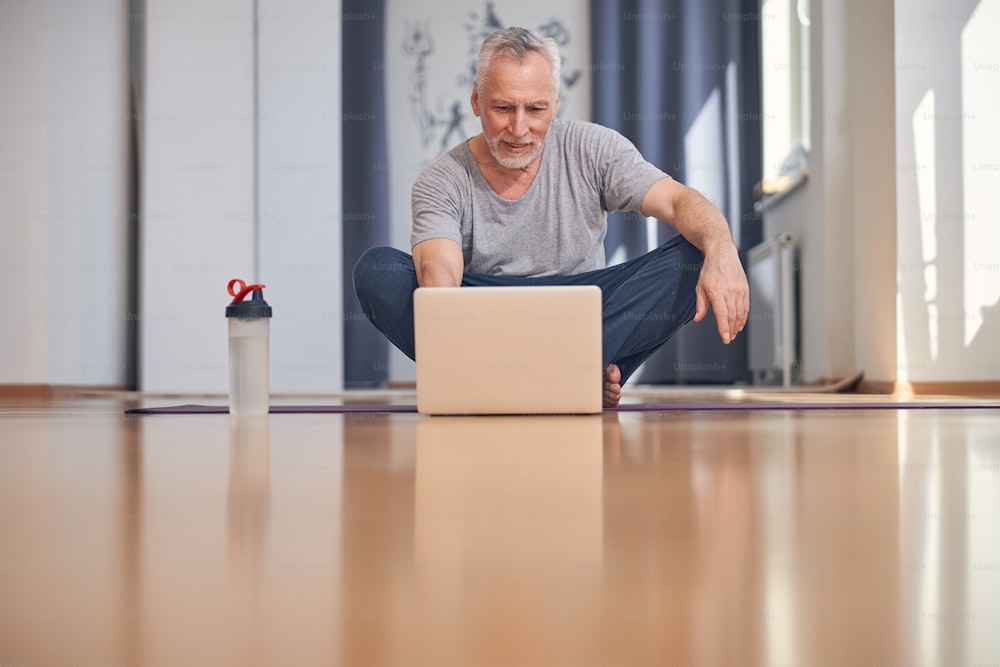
[(886, 387), (51, 390), (978, 389), (398, 384), (26, 391)]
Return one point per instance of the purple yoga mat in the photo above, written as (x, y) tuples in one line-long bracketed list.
[(625, 407), (274, 410)]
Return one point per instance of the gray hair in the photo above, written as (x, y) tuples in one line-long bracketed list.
[(517, 43)]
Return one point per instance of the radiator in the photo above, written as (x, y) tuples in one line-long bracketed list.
[(772, 332)]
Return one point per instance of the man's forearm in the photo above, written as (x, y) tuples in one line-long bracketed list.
[(697, 219), (701, 222), (438, 263), (436, 275)]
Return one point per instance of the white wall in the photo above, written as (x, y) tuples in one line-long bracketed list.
[(898, 222), (948, 133), (300, 191), (63, 196), (820, 213), (64, 120), (198, 225), (871, 197), (23, 224)]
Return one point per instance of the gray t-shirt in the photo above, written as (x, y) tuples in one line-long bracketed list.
[(558, 226)]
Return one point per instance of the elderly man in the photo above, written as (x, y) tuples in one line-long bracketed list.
[(525, 203)]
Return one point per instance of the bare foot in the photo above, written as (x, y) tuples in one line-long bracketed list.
[(612, 388)]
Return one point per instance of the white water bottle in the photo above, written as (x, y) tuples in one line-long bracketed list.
[(249, 356)]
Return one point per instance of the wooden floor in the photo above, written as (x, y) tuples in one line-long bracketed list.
[(691, 539)]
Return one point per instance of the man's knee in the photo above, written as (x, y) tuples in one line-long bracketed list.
[(378, 266), (687, 259)]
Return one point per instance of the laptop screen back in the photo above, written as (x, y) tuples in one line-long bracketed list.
[(508, 350)]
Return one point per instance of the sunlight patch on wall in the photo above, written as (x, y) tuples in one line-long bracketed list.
[(981, 164), (652, 233), (705, 158), (733, 148), (924, 126)]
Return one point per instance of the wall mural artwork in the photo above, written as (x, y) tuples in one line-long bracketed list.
[(443, 116)]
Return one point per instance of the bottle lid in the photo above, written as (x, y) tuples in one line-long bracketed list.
[(253, 309)]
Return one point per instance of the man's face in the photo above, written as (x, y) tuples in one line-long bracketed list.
[(516, 107)]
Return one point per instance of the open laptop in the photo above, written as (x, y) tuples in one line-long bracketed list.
[(508, 350)]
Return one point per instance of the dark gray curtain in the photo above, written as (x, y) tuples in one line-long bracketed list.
[(365, 179), (655, 65)]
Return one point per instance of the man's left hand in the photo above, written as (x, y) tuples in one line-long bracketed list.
[(723, 284)]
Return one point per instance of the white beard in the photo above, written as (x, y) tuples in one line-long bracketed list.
[(513, 162)]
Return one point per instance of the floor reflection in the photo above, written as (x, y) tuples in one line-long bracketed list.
[(247, 503), (498, 557), (730, 538), (778, 538), (248, 517), (681, 584), (508, 539)]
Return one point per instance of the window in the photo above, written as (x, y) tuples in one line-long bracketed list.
[(786, 90)]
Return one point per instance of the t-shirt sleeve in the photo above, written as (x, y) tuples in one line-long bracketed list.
[(623, 175), (436, 206)]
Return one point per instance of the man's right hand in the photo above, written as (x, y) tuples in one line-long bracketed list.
[(439, 263)]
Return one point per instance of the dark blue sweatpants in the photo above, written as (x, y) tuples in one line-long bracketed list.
[(646, 299)]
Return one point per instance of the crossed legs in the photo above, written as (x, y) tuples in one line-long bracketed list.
[(645, 300)]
